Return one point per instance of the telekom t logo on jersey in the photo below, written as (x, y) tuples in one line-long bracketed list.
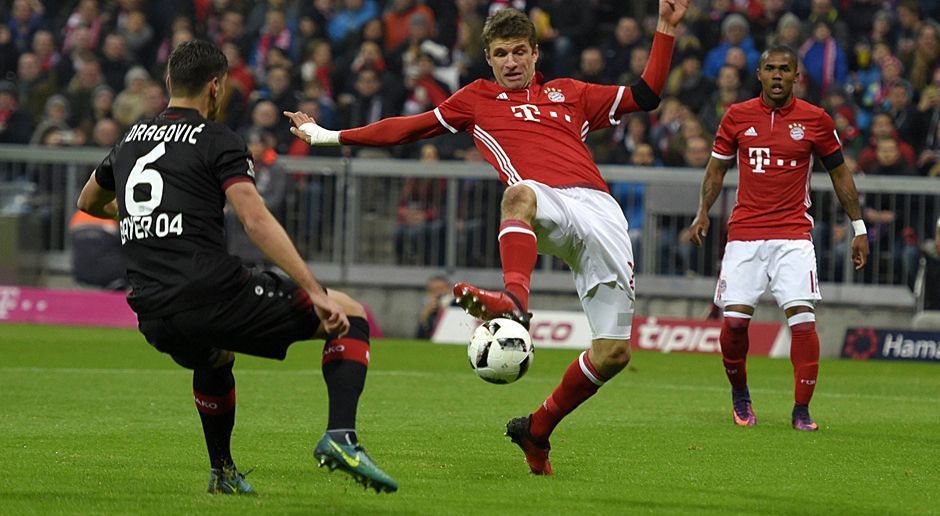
[(526, 112), (758, 157)]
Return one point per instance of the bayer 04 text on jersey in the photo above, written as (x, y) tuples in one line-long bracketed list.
[(135, 227)]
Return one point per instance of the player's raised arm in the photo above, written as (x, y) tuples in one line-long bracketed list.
[(671, 13), (391, 131), (715, 172), (646, 93), (268, 234), (844, 186)]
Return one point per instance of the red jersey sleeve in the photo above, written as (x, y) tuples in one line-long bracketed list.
[(654, 75), (726, 141), (393, 131), (826, 141), (603, 105), (457, 112)]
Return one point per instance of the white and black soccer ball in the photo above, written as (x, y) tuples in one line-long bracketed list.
[(500, 351)]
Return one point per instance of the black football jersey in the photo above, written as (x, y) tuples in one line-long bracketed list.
[(169, 174)]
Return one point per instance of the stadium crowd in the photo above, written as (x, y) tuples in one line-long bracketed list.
[(79, 72)]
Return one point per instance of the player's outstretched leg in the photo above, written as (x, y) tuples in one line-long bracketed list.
[(804, 355), (734, 346), (518, 251), (536, 452), (486, 304), (345, 364), (581, 380), (214, 394)]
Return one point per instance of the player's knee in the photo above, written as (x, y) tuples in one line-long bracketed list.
[(795, 308), (611, 356), (621, 354), (224, 358), (351, 307), (737, 317), (737, 323), (518, 203), (205, 359), (358, 328)]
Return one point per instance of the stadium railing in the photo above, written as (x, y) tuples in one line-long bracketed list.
[(350, 220)]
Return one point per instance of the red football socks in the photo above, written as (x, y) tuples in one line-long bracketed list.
[(518, 250), (804, 355), (734, 344), (579, 383)]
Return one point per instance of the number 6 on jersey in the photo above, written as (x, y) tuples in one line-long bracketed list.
[(141, 175)]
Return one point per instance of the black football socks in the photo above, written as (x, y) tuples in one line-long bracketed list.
[(345, 364), (214, 393)]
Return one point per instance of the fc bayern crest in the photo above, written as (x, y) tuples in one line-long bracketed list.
[(797, 131), (555, 95)]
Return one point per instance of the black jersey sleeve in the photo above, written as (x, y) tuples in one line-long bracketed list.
[(229, 159), (104, 174)]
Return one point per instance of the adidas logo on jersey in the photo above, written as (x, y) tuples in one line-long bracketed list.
[(502, 96), (750, 131)]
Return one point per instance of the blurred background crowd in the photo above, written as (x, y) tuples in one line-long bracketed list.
[(79, 72)]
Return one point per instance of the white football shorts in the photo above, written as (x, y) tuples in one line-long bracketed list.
[(787, 266), (587, 229)]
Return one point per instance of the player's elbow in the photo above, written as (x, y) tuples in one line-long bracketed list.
[(644, 96), (85, 204), (254, 224)]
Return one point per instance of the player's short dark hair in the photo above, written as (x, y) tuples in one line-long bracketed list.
[(508, 24), (779, 49), (192, 65)]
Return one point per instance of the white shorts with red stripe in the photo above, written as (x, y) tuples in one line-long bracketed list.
[(587, 229), (748, 267)]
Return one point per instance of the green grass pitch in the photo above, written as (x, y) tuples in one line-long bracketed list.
[(95, 421)]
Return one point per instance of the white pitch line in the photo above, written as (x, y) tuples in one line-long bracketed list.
[(450, 375)]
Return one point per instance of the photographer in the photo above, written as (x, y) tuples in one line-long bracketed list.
[(437, 297)]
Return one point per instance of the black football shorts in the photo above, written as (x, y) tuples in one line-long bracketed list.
[(263, 318)]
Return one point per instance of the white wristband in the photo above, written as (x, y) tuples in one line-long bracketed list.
[(859, 227), (319, 135)]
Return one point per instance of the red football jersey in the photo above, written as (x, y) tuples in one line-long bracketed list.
[(537, 133), (774, 148)]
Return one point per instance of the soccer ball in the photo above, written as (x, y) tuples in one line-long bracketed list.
[(500, 351)]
